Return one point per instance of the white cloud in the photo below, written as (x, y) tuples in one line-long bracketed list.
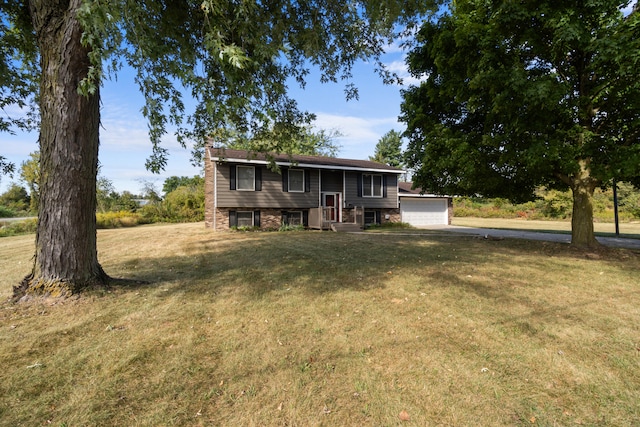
[(402, 70), (124, 129), (394, 47), (360, 134)]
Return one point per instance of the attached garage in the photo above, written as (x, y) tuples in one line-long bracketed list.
[(421, 210)]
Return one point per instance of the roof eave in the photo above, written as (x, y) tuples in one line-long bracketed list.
[(305, 165)]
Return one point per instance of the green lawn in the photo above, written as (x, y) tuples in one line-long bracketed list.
[(326, 329)]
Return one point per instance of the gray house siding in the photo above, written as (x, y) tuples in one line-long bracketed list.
[(331, 181), (271, 194), (351, 197)]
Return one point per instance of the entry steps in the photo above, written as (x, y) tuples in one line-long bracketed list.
[(345, 227)]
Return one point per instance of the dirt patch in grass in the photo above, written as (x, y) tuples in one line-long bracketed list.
[(320, 328)]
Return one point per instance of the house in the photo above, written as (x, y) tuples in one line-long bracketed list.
[(241, 189)]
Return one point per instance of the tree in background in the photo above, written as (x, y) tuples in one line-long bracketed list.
[(15, 199), (104, 194), (30, 174), (234, 58), (173, 182), (149, 191), (318, 142), (523, 94), (308, 141), (389, 149)]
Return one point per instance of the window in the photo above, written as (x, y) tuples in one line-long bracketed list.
[(369, 217), (371, 185), (294, 218), (245, 218), (296, 180), (246, 178)]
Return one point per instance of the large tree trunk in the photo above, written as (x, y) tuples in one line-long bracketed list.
[(66, 258), (582, 187)]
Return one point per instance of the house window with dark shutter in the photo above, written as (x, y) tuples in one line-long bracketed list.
[(294, 218), (246, 178), (372, 217), (296, 181), (371, 185), (244, 218)]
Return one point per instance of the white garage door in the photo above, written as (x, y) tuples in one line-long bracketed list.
[(420, 212)]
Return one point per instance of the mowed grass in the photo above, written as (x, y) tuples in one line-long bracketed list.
[(326, 329)]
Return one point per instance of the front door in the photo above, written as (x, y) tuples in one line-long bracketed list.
[(331, 205)]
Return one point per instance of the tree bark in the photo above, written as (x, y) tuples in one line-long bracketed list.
[(66, 258), (582, 187)]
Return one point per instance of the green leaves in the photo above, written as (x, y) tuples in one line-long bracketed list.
[(18, 67), (233, 58), (523, 93), (234, 55), (388, 149)]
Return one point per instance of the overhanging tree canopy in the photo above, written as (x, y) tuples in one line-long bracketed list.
[(522, 94), (233, 57)]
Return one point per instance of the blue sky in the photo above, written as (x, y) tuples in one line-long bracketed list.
[(124, 142)]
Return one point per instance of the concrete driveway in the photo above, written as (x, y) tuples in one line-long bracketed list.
[(616, 242)]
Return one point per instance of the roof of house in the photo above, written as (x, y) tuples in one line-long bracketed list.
[(405, 189), (320, 162)]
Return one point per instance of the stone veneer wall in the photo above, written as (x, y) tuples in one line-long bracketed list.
[(450, 210), (394, 215), (347, 215), (269, 218)]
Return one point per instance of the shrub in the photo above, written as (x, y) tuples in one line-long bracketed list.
[(16, 199), (556, 204), (154, 212), (119, 219), (184, 204), (19, 227), (245, 228), (5, 212), (287, 227)]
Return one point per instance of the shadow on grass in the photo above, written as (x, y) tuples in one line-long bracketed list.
[(260, 263)]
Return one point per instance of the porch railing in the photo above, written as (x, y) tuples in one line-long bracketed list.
[(320, 218)]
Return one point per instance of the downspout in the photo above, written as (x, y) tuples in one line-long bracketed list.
[(344, 193), (215, 195), (319, 188), (319, 209), (397, 191)]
